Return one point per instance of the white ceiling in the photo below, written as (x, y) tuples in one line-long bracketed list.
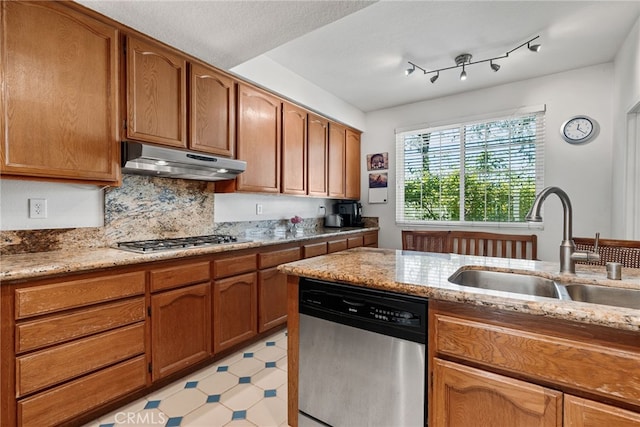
[(358, 50)]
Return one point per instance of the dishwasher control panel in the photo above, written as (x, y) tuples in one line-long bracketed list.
[(358, 306)]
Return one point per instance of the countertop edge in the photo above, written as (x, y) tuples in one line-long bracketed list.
[(43, 264), (440, 289)]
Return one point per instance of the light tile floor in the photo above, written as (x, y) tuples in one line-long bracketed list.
[(248, 388)]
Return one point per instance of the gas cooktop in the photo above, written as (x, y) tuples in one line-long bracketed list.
[(157, 245)]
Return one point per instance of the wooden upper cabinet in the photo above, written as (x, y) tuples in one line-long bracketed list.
[(336, 163), (352, 165), (212, 111), (156, 93), (259, 140), (294, 149), (60, 94), (317, 154)]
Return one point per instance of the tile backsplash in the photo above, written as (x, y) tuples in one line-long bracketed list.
[(149, 208), (142, 208)]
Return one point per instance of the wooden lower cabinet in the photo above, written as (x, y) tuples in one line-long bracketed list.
[(72, 345), (235, 307), (337, 245), (465, 396), (499, 368), (579, 412), (180, 328), (272, 310), (55, 406)]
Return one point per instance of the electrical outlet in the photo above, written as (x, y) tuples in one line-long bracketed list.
[(37, 208), (258, 209)]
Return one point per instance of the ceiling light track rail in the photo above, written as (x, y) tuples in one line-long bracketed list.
[(464, 60)]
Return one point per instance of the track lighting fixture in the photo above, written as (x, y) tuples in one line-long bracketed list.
[(463, 74), (533, 47), (410, 70), (464, 60)]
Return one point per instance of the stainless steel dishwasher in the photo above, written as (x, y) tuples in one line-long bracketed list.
[(362, 357)]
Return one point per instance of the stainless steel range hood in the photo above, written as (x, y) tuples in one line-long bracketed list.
[(146, 159)]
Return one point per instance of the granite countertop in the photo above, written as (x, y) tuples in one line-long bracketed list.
[(424, 274), (42, 264)]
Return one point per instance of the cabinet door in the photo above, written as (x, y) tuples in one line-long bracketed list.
[(580, 412), (60, 94), (235, 307), (212, 112), (258, 140), (156, 94), (294, 149), (464, 396), (180, 328), (352, 165), (317, 160), (337, 144), (272, 309)]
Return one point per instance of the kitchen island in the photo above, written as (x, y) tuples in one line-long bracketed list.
[(566, 359)]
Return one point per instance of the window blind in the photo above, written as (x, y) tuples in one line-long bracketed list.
[(477, 172)]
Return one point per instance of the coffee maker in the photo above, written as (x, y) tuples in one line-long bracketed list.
[(351, 213)]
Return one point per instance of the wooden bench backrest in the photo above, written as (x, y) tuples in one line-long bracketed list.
[(626, 252), (472, 243)]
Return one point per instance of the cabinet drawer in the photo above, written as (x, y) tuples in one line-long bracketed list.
[(48, 367), (314, 249), (75, 293), (171, 277), (336, 245), (355, 242), (77, 397), (615, 372), (51, 330), (371, 239), (236, 265), (271, 259)]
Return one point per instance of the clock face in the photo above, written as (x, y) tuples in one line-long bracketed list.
[(579, 129)]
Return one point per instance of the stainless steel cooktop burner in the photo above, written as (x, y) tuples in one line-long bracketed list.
[(156, 245)]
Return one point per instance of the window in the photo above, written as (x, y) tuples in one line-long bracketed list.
[(479, 172)]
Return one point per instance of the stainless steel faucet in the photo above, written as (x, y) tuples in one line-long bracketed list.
[(568, 253)]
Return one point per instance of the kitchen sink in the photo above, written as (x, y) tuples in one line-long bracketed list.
[(619, 297), (507, 282), (529, 284)]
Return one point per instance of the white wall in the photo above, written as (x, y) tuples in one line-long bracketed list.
[(242, 207), (68, 205), (583, 171), (626, 95)]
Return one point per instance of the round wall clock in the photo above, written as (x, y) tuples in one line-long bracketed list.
[(579, 129)]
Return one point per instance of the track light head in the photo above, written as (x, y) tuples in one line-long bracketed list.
[(533, 47), (494, 67), (434, 78), (463, 74), (410, 70)]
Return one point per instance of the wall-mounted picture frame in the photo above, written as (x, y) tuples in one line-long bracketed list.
[(378, 180), (377, 161)]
